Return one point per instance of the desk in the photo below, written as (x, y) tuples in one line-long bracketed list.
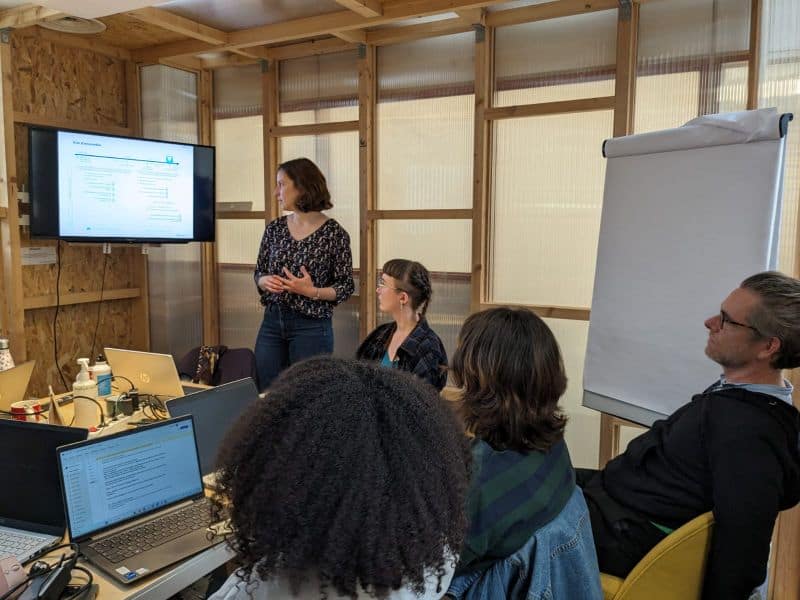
[(163, 584)]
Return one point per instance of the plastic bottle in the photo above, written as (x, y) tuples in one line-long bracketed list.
[(85, 410), (101, 373), (6, 362)]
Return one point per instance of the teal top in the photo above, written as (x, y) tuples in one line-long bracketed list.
[(388, 362)]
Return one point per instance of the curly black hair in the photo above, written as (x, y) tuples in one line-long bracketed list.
[(349, 470)]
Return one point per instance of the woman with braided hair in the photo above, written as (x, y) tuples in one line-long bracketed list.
[(407, 343), (350, 482)]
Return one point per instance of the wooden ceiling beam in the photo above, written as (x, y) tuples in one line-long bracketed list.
[(312, 48), (231, 60), (173, 49), (178, 24), (472, 16), (394, 35), (27, 15), (365, 8), (393, 10), (352, 36)]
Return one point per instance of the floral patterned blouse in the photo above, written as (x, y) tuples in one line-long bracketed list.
[(326, 256)]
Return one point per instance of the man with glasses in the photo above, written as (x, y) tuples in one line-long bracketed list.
[(732, 449)]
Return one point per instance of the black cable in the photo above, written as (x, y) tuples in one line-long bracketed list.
[(99, 304), (55, 317), (130, 383), (84, 587), (10, 593)]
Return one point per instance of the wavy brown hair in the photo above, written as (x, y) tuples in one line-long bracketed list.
[(349, 470), (310, 183), (509, 367)]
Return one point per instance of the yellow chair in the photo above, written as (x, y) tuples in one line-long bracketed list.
[(672, 570)]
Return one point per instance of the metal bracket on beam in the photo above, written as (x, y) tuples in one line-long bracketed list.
[(625, 10), (5, 35), (480, 33), (362, 51)]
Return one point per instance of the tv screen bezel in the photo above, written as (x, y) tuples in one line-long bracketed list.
[(47, 227)]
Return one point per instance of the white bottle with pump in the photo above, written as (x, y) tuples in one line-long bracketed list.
[(85, 410), (101, 373)]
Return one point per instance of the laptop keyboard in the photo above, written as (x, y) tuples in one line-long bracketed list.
[(18, 544), (152, 534)]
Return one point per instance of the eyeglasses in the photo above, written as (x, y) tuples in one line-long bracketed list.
[(724, 318), (383, 284)]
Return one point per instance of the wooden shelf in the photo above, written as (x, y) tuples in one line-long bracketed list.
[(49, 300)]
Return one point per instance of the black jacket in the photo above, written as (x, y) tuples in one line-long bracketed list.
[(731, 451), (421, 353)]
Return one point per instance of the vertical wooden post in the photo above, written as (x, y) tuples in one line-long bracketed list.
[(624, 110), (140, 334), (367, 92), (14, 321), (269, 118), (753, 62), (208, 255), (481, 165)]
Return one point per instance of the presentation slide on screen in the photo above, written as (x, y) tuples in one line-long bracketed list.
[(120, 187), (111, 481)]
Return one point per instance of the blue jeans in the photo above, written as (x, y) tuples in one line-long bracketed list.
[(287, 337)]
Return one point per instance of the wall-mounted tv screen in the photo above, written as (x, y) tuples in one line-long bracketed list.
[(105, 188)]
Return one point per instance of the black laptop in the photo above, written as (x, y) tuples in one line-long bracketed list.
[(214, 410), (31, 507), (135, 500)]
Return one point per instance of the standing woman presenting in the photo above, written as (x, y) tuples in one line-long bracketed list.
[(304, 269)]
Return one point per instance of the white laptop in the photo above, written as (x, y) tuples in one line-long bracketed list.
[(149, 372), (31, 507), (13, 383)]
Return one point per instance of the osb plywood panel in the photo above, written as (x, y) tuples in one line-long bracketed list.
[(21, 146), (81, 271), (124, 31), (67, 83), (76, 325)]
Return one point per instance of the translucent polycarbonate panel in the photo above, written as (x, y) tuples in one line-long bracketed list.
[(336, 154), (169, 104), (541, 61), (583, 424), (240, 163), (238, 241), (436, 66), (689, 60), (664, 101), (545, 218), (169, 112), (237, 91), (345, 328), (780, 87), (692, 29), (733, 87), (440, 245), (310, 85), (425, 153), (240, 313)]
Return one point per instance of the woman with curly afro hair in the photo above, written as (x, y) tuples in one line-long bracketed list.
[(349, 481)]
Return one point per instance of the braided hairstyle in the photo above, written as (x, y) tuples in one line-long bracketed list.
[(350, 471), (414, 280)]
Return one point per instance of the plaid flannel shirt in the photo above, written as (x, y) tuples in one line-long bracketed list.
[(421, 353)]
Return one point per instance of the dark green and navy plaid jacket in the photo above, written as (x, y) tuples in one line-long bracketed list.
[(422, 353)]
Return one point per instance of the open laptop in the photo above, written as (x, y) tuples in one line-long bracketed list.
[(31, 507), (214, 411), (134, 500), (13, 383), (149, 372)]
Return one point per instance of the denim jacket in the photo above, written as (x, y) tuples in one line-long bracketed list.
[(557, 563)]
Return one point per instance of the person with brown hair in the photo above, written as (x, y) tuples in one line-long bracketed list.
[(407, 343), (304, 268), (524, 510)]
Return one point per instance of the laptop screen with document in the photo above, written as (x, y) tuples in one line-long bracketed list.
[(109, 480)]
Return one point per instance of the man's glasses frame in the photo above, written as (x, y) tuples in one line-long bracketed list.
[(725, 318)]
